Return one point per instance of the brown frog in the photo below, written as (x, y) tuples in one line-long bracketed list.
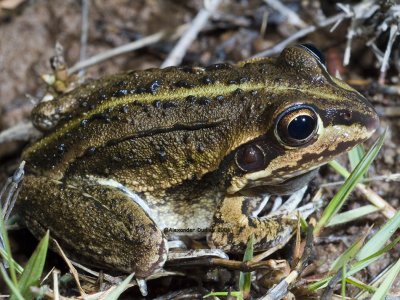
[(127, 156)]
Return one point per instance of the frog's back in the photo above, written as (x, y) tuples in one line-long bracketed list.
[(140, 120)]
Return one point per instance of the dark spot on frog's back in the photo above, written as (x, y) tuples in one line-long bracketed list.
[(162, 155), (191, 99), (219, 98), (207, 80), (244, 79), (61, 148), (169, 104), (140, 90), (204, 101), (120, 93), (121, 83), (91, 151), (124, 108), (157, 103), (238, 92), (84, 122), (200, 148), (83, 103), (154, 86), (184, 84)]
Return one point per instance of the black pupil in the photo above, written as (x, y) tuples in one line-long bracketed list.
[(301, 127)]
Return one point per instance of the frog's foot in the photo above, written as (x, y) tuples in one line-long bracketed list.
[(96, 222), (289, 207), (290, 204), (237, 218)]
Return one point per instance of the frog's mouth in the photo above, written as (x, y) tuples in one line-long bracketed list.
[(286, 187)]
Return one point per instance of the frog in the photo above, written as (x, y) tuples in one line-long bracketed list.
[(130, 162)]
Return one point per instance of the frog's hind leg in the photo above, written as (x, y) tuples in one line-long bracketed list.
[(96, 223)]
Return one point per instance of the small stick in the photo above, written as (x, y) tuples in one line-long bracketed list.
[(56, 291), (299, 34), (151, 39), (84, 34), (291, 16), (176, 55), (19, 132), (386, 178), (72, 270), (394, 31)]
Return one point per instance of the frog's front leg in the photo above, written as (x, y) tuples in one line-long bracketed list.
[(96, 221), (236, 219)]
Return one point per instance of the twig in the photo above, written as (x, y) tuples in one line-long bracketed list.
[(56, 291), (350, 34), (151, 39), (299, 34), (72, 270), (176, 55), (20, 132), (385, 208), (84, 34), (291, 16), (390, 177), (394, 31)]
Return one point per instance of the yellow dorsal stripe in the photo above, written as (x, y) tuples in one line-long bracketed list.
[(176, 95)]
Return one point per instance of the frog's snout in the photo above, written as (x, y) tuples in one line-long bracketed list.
[(372, 122), (362, 114)]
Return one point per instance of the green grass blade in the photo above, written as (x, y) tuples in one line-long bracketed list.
[(319, 284), (358, 266), (245, 278), (238, 295), (13, 288), (33, 269), (384, 288), (338, 200), (348, 255), (10, 261), (381, 237), (351, 215), (361, 264), (114, 295), (361, 285), (343, 281), (355, 156), (339, 168)]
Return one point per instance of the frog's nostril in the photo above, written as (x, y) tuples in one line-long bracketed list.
[(347, 115)]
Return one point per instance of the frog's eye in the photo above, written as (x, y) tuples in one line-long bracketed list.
[(297, 126), (250, 158), (315, 52)]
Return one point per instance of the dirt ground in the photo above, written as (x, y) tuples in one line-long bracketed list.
[(29, 31)]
